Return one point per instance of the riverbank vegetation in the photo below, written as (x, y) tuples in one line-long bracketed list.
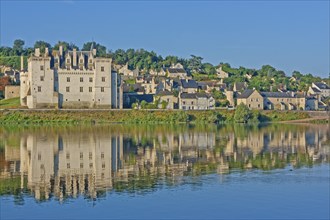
[(145, 116)]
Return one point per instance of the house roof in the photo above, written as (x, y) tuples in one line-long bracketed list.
[(164, 93), (315, 89), (276, 94), (176, 70), (188, 95), (188, 83), (245, 94), (321, 85)]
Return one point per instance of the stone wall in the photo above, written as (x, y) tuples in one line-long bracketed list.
[(12, 92)]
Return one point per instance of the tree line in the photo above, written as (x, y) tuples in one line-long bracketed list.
[(267, 78)]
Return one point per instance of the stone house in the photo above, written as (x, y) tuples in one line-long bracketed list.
[(252, 99), (176, 71), (168, 97), (284, 101), (196, 101), (149, 84), (71, 79), (188, 86), (320, 88)]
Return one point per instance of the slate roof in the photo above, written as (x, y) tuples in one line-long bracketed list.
[(188, 83), (315, 89), (322, 85), (176, 70), (245, 94), (188, 95), (240, 86), (276, 95), (164, 93)]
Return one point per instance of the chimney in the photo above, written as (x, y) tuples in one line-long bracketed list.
[(74, 59), (94, 52), (22, 63), (61, 50), (46, 52), (37, 52)]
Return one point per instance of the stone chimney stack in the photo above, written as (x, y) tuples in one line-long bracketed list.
[(22, 63), (74, 58), (46, 52), (94, 52), (61, 50), (37, 52)]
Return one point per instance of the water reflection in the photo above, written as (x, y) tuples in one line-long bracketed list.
[(65, 162)]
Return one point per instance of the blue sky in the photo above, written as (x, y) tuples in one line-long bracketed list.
[(289, 35)]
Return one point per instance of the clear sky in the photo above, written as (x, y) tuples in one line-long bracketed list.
[(289, 35)]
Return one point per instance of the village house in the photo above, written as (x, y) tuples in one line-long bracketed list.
[(284, 101), (188, 86), (127, 72), (221, 74), (252, 99), (70, 79), (161, 72), (176, 71), (196, 101), (168, 97), (148, 82), (319, 89), (239, 87)]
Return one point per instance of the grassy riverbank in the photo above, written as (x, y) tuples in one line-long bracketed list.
[(139, 116)]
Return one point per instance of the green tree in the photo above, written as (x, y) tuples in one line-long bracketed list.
[(242, 114), (18, 47), (42, 45)]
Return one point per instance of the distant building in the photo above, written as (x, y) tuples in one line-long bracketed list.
[(252, 99), (168, 97), (320, 89), (176, 71), (284, 101), (71, 79), (188, 86), (196, 101)]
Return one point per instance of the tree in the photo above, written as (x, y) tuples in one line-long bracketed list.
[(242, 113), (100, 49), (65, 45), (42, 45), (18, 47), (195, 63)]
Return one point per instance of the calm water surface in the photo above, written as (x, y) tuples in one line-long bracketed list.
[(147, 172)]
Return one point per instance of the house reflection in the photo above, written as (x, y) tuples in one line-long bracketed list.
[(66, 164)]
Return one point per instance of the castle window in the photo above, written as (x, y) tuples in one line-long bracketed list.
[(41, 78), (103, 79), (103, 165), (90, 79), (90, 155), (41, 67), (81, 60), (81, 155), (68, 79), (102, 155), (81, 89), (90, 61), (39, 88), (68, 89), (192, 103), (90, 90), (68, 165), (102, 89), (91, 165), (68, 61), (102, 68), (81, 67), (184, 102), (81, 79), (67, 155), (81, 165)]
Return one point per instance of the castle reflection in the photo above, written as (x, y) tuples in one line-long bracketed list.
[(72, 161)]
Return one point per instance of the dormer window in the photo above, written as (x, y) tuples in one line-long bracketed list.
[(67, 60), (56, 60), (90, 60), (81, 61)]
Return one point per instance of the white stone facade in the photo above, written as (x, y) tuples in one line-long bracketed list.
[(76, 79)]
